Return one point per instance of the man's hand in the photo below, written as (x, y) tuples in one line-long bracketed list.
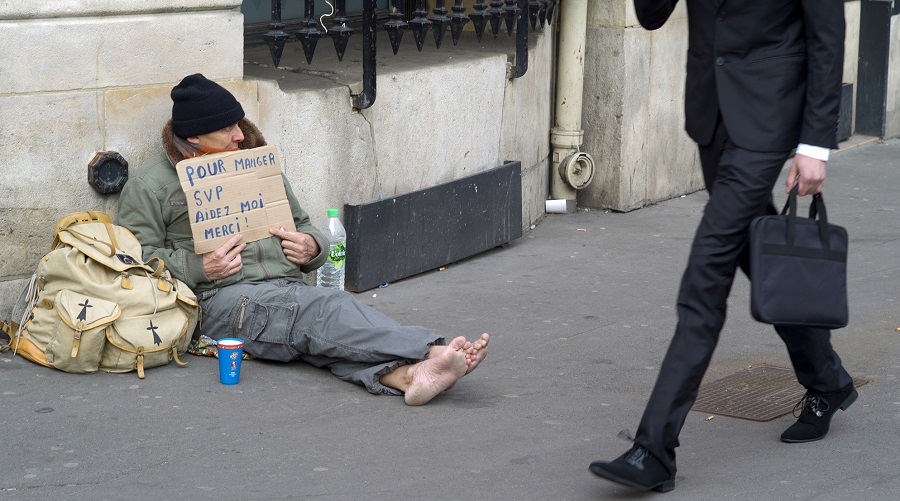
[(224, 261), (808, 172), (298, 247)]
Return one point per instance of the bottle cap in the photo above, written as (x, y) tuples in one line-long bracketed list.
[(333, 213)]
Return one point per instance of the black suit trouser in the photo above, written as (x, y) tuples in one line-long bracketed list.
[(740, 184)]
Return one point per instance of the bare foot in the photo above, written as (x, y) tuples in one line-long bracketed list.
[(475, 352), (433, 376)]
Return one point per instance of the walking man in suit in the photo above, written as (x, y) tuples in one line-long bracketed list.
[(763, 78)]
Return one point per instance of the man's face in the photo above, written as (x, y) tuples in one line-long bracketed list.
[(222, 139)]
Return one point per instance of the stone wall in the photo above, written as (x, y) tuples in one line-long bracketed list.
[(851, 47), (634, 91), (422, 130), (85, 76), (892, 104)]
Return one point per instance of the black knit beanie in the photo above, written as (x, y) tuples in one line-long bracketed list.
[(201, 106)]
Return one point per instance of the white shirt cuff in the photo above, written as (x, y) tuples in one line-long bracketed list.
[(816, 152)]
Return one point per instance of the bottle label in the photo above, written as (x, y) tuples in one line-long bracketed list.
[(337, 255)]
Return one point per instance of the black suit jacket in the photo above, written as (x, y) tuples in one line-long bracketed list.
[(772, 68)]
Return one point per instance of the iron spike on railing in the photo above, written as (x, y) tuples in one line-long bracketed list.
[(521, 41), (457, 20), (511, 11), (366, 98), (276, 37), (542, 15), (479, 18), (420, 24), (310, 34), (340, 32), (534, 7), (550, 11), (439, 23), (496, 15), (396, 25)]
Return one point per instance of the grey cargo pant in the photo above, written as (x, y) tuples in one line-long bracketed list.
[(284, 320)]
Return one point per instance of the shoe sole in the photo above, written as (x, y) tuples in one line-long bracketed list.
[(849, 400), (844, 405), (795, 441), (664, 486)]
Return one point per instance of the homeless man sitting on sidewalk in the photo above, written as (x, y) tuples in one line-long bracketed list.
[(254, 291)]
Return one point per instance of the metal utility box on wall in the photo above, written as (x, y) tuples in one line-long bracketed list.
[(409, 234)]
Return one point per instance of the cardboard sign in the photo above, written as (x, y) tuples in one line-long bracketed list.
[(234, 192)]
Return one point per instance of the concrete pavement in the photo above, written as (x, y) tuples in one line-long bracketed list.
[(580, 311)]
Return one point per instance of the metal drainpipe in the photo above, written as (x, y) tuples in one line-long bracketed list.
[(571, 169)]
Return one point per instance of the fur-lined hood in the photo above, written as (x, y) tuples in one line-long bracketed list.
[(253, 138)]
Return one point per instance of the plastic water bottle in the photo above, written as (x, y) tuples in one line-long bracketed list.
[(331, 274)]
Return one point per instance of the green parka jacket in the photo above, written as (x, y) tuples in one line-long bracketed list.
[(153, 206)]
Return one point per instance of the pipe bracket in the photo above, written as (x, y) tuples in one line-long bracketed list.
[(566, 139)]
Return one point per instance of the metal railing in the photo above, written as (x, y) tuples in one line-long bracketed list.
[(516, 14)]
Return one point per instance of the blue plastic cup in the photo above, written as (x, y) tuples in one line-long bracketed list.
[(231, 351)]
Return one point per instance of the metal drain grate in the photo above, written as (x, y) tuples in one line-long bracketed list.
[(760, 393)]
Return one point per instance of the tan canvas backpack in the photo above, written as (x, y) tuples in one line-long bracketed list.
[(93, 304)]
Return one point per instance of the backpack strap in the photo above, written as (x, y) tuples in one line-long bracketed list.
[(175, 355), (108, 249), (27, 301), (74, 218), (161, 281), (159, 264)]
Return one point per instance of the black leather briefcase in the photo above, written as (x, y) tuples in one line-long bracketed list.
[(798, 268)]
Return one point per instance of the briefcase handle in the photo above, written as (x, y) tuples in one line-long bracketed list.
[(816, 210)]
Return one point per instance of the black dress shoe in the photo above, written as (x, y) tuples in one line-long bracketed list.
[(816, 411), (637, 469)]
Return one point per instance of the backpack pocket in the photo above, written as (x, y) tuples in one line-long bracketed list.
[(73, 329), (144, 341)]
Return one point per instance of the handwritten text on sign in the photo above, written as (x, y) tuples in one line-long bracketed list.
[(234, 192)]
